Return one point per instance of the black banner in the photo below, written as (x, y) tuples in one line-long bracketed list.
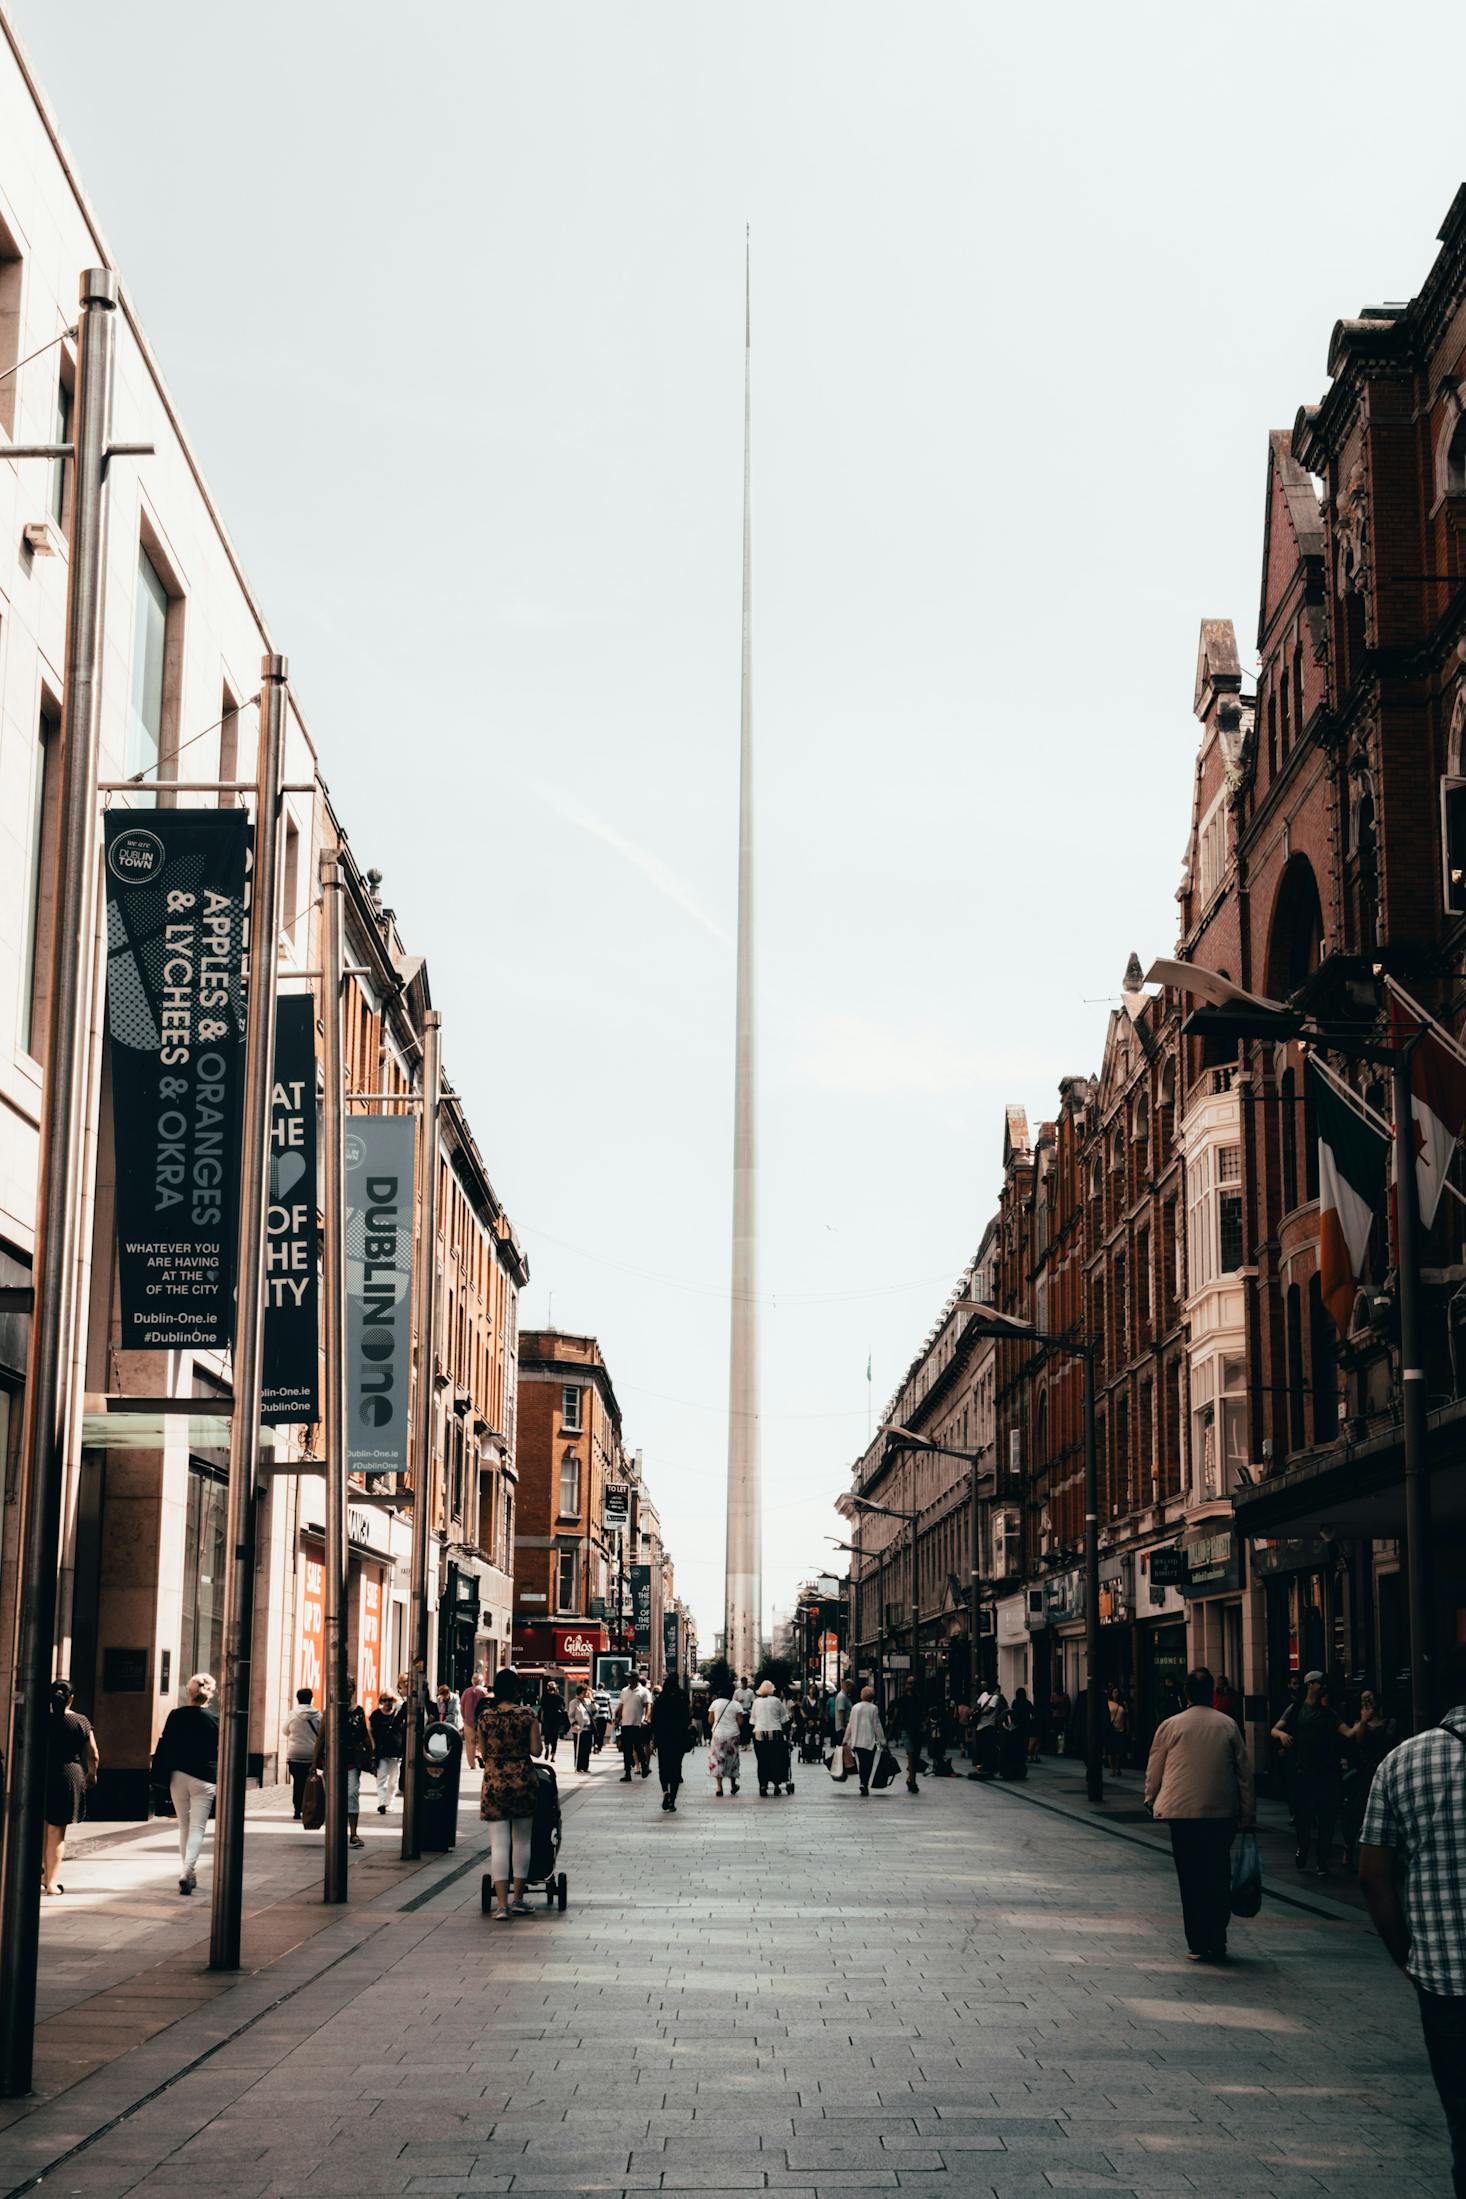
[(175, 1012), (641, 1607), (292, 1281), (669, 1643)]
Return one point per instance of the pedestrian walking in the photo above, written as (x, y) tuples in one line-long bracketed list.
[(633, 1708), (186, 1766), (1369, 1741), (864, 1733), (553, 1721), (1412, 1843), (1023, 1722), (1308, 1734), (468, 1704), (1198, 1781), (1117, 1736), (908, 1719), (388, 1723), (302, 1731), (725, 1723), (770, 1746), (447, 1709), (361, 1755), (578, 1716), (671, 1728), (72, 1763), (743, 1696), (840, 1710), (1058, 1717), (600, 1721), (1226, 1699), (509, 1739)]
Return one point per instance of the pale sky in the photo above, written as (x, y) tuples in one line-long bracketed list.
[(451, 300)]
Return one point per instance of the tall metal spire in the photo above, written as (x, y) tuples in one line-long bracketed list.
[(743, 1599)]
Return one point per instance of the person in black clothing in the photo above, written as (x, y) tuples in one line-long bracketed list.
[(388, 1723), (907, 1719), (1020, 1718), (186, 1767), (1308, 1733), (71, 1767), (553, 1721), (671, 1730)]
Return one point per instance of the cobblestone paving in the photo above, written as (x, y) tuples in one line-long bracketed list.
[(946, 1994)]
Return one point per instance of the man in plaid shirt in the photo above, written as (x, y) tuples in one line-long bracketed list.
[(1414, 1837)]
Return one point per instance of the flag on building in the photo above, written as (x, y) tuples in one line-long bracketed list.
[(1437, 1103), (1351, 1183)]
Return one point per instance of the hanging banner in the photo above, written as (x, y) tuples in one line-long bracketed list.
[(292, 1281), (669, 1643), (641, 1607), (175, 1014), (380, 1151)]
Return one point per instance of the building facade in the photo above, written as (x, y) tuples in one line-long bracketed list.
[(573, 1550), (183, 638)]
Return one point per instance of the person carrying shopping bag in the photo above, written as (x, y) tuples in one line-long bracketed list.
[(864, 1733)]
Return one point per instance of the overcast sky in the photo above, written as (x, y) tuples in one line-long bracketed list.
[(452, 303)]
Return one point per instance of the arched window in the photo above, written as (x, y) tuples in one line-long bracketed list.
[(1295, 944), (1293, 1323), (1321, 1356)]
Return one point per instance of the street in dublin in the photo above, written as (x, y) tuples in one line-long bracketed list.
[(732, 1219)]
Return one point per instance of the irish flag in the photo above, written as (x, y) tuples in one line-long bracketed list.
[(1351, 1185), (1437, 1102)]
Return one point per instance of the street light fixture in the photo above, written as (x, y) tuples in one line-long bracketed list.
[(989, 1321), (1233, 1014)]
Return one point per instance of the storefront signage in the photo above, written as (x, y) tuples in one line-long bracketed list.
[(641, 1607), (369, 1656), (573, 1648), (1065, 1597), (1013, 1619), (292, 1287), (1117, 1593), (379, 1168), (616, 1509), (175, 1015), (312, 1672), (1166, 1567), (1213, 1563)]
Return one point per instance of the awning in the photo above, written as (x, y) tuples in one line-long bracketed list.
[(1358, 1490)]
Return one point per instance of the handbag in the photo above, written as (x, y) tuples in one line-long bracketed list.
[(313, 1802), (1246, 1875), (839, 1763), (886, 1769)]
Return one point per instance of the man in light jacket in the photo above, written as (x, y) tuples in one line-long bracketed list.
[(1199, 1782)]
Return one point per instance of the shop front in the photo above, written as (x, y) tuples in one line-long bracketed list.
[(567, 1653), (458, 1626), (1062, 1619), (1306, 1594), (1015, 1668), (1160, 1638), (1211, 1582), (1117, 1613)]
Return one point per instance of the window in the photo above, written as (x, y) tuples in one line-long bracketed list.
[(1229, 1231), (570, 1486), (61, 470), (1272, 735), (567, 1568), (1213, 848), (11, 270), (1325, 1381), (1298, 694), (1142, 1279), (570, 1408), (1293, 1325), (35, 991), (1288, 1138), (201, 1647), (149, 654), (290, 891), (1285, 721)]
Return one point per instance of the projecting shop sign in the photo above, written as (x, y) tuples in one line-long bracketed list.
[(379, 1162), (175, 1013), (291, 1278), (641, 1607)]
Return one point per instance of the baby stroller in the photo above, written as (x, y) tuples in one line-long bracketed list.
[(544, 1846)]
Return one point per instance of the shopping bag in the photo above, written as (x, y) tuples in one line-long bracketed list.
[(886, 1769), (1246, 1876), (313, 1803), (839, 1763)]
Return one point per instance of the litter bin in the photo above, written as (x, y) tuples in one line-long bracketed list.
[(438, 1769)]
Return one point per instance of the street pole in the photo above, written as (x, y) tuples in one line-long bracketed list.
[(249, 1324), (59, 1165), (1412, 1381), (1094, 1770), (422, 1448), (333, 1212)]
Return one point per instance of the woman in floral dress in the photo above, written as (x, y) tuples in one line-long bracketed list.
[(725, 1718), (508, 1740)]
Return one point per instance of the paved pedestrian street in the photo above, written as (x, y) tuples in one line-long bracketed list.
[(959, 1992)]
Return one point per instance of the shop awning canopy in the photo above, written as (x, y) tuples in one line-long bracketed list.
[(1358, 1491)]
